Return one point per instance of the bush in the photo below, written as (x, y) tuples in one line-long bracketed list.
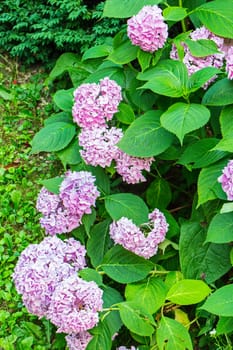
[(34, 30)]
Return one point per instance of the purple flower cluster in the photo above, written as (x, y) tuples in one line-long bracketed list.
[(196, 63), (96, 103), (75, 304), (229, 62), (141, 240), (78, 341), (147, 29), (41, 267), (226, 179), (63, 212)]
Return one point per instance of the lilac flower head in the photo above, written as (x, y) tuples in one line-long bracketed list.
[(75, 304), (94, 104), (141, 240), (229, 63), (99, 145), (226, 179), (78, 341), (147, 29), (41, 267), (130, 168)]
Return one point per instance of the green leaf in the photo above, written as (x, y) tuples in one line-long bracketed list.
[(174, 13), (172, 335), (124, 53), (101, 337), (219, 94), (158, 193), (207, 261), (221, 229), (113, 72), (224, 325), (125, 267), (200, 154), (202, 47), (99, 242), (127, 205), (125, 8), (136, 318), (216, 17), (226, 121), (181, 118), (53, 137), (144, 59), (89, 275), (64, 99), (53, 184), (5, 95), (220, 302), (151, 293), (200, 77), (65, 117), (208, 187), (88, 221), (169, 78), (226, 208), (188, 292), (102, 179), (111, 296), (145, 137), (126, 114), (226, 144), (97, 51), (70, 154)]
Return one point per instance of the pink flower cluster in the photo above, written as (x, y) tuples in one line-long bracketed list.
[(63, 212), (141, 240), (196, 63), (229, 62), (147, 29), (41, 267), (78, 341), (96, 103), (226, 179)]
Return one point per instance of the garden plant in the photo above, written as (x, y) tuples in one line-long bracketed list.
[(138, 220)]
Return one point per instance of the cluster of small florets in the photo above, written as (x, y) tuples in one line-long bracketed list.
[(78, 341), (226, 180), (143, 240), (229, 62), (64, 211), (147, 29)]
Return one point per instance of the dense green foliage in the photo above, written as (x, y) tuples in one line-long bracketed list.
[(34, 30)]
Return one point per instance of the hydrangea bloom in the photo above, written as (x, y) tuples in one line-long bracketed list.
[(75, 304), (147, 29), (196, 63), (78, 341), (229, 63), (142, 240), (130, 168), (63, 212), (226, 179), (94, 104), (99, 145), (41, 267)]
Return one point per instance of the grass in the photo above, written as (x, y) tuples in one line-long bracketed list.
[(22, 110)]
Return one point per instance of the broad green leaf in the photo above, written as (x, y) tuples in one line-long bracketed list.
[(226, 144), (145, 137), (207, 261), (158, 193), (136, 318), (125, 8), (202, 47), (216, 17), (5, 94), (99, 242), (173, 277), (220, 302), (208, 187), (172, 335), (111, 296), (224, 325), (89, 275), (188, 292), (124, 53), (97, 51), (200, 154), (200, 77), (226, 208), (88, 221), (219, 94), (102, 338), (70, 154), (102, 179), (64, 99), (125, 267), (226, 120), (126, 114), (65, 117), (114, 73), (181, 118), (169, 78), (53, 184), (221, 229), (128, 205), (53, 137), (144, 59), (174, 13), (151, 293)]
